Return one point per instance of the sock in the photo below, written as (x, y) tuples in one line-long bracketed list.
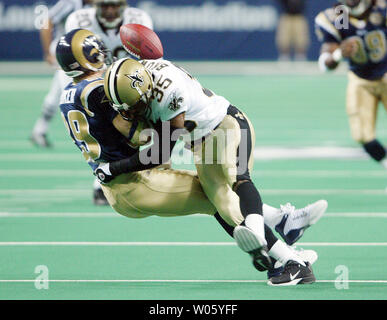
[(41, 126), (251, 207), (255, 222), (271, 215), (375, 150), (271, 239), (384, 163), (281, 252), (229, 229), (96, 184)]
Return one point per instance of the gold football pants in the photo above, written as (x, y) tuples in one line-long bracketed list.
[(225, 157), (363, 97), (159, 192)]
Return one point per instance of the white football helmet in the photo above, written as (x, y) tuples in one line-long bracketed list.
[(110, 12)]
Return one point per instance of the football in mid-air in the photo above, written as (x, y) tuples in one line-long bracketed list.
[(141, 42)]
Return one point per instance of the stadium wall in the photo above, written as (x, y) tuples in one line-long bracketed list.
[(190, 30)]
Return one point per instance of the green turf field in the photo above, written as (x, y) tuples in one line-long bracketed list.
[(47, 217)]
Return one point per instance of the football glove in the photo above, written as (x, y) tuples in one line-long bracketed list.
[(103, 173)]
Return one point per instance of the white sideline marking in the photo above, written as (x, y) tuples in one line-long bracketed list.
[(260, 153), (170, 281), (315, 152), (177, 243)]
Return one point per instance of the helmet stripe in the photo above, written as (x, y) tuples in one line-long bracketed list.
[(112, 80)]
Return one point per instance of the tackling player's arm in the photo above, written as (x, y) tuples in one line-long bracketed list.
[(132, 164)]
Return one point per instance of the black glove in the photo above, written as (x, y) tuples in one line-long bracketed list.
[(103, 173)]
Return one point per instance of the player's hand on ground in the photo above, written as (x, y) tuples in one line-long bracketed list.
[(103, 173), (349, 48)]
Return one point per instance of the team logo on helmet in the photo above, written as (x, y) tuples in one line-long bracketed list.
[(137, 79)]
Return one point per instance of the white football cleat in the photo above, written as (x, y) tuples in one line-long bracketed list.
[(296, 221), (252, 243)]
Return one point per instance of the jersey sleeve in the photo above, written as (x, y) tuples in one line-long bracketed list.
[(175, 104), (325, 27), (61, 10), (72, 22), (94, 101)]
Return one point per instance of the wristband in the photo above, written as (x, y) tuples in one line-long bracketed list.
[(337, 55)]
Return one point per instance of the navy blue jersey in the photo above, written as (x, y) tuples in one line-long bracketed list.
[(88, 117), (370, 61)]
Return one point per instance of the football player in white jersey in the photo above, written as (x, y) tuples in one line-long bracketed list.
[(105, 20), (222, 139), (49, 39)]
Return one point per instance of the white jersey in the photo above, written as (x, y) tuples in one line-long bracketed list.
[(176, 91), (87, 19), (60, 11), (58, 15)]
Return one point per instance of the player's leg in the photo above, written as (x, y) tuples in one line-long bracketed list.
[(217, 179), (165, 193), (49, 109), (288, 221), (362, 103), (283, 37), (300, 37), (383, 90)]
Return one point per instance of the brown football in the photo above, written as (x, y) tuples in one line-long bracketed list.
[(141, 42)]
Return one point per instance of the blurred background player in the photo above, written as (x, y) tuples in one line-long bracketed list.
[(363, 43), (49, 38), (105, 20), (292, 32)]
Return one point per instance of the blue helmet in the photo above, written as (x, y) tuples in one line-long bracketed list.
[(80, 51)]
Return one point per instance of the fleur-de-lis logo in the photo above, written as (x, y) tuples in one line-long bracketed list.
[(240, 116), (175, 103), (137, 79)]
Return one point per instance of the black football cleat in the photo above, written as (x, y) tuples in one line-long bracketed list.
[(99, 198), (294, 273)]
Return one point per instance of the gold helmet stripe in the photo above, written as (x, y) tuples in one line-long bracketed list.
[(77, 49), (112, 80)]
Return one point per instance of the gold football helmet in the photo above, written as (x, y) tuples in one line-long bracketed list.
[(128, 85)]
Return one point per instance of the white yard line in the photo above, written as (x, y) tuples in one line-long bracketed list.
[(175, 243), (170, 281)]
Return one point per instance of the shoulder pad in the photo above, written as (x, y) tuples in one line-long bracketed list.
[(325, 20), (86, 91)]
